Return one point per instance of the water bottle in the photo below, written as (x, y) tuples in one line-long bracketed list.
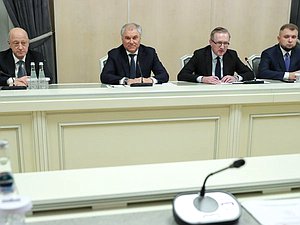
[(33, 81), (13, 207), (43, 83)]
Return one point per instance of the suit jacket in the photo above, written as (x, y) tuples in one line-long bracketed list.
[(201, 65), (7, 65), (117, 65), (272, 65)]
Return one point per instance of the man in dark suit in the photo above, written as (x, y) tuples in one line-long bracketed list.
[(15, 61), (282, 61), (133, 62), (215, 63)]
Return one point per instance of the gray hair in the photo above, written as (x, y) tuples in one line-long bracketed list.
[(218, 30), (131, 26)]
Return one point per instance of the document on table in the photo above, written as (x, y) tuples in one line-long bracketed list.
[(168, 84), (116, 86), (275, 211)]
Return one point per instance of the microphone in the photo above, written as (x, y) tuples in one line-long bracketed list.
[(208, 207), (235, 164), (254, 81), (142, 84)]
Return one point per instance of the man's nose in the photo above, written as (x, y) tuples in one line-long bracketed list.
[(20, 45)]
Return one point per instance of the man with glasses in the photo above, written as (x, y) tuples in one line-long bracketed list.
[(281, 61), (215, 63), (15, 61)]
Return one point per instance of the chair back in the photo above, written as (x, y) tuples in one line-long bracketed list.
[(254, 61), (102, 62), (185, 59)]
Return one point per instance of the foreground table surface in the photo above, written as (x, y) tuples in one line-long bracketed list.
[(121, 192)]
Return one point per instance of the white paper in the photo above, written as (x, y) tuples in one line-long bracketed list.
[(116, 86), (275, 211)]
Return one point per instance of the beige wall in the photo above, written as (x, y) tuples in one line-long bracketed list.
[(87, 29)]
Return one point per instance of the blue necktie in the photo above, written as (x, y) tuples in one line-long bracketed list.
[(218, 68), (287, 61), (132, 70), (21, 70)]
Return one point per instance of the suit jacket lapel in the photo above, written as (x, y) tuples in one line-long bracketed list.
[(10, 63), (280, 58), (208, 62), (226, 64), (140, 60), (124, 61), (294, 60)]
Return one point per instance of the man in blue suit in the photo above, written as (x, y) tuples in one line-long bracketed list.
[(133, 62), (282, 61)]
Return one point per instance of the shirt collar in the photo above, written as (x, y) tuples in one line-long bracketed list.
[(136, 52), (214, 56), (284, 51), (17, 60)]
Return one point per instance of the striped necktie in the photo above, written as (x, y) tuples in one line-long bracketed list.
[(132, 66), (21, 70), (287, 61)]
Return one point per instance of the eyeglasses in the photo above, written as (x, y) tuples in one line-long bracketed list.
[(22, 43), (219, 43)]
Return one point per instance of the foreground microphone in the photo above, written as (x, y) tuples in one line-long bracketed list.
[(142, 84), (207, 207), (254, 81)]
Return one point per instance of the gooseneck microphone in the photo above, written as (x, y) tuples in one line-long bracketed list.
[(212, 207), (142, 84), (235, 164), (254, 81)]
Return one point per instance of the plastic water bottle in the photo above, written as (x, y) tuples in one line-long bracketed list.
[(33, 81), (43, 83), (13, 207)]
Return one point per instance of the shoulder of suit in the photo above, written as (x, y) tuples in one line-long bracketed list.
[(116, 50), (272, 49), (146, 48), (297, 48), (203, 50), (6, 52), (231, 51)]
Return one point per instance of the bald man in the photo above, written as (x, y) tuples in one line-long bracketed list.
[(15, 61)]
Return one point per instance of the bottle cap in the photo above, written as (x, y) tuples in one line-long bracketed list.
[(3, 144), (16, 204)]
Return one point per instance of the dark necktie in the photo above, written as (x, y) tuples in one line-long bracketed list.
[(287, 61), (21, 69), (218, 68), (132, 70)]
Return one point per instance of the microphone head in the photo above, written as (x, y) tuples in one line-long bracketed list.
[(238, 163), (246, 58)]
